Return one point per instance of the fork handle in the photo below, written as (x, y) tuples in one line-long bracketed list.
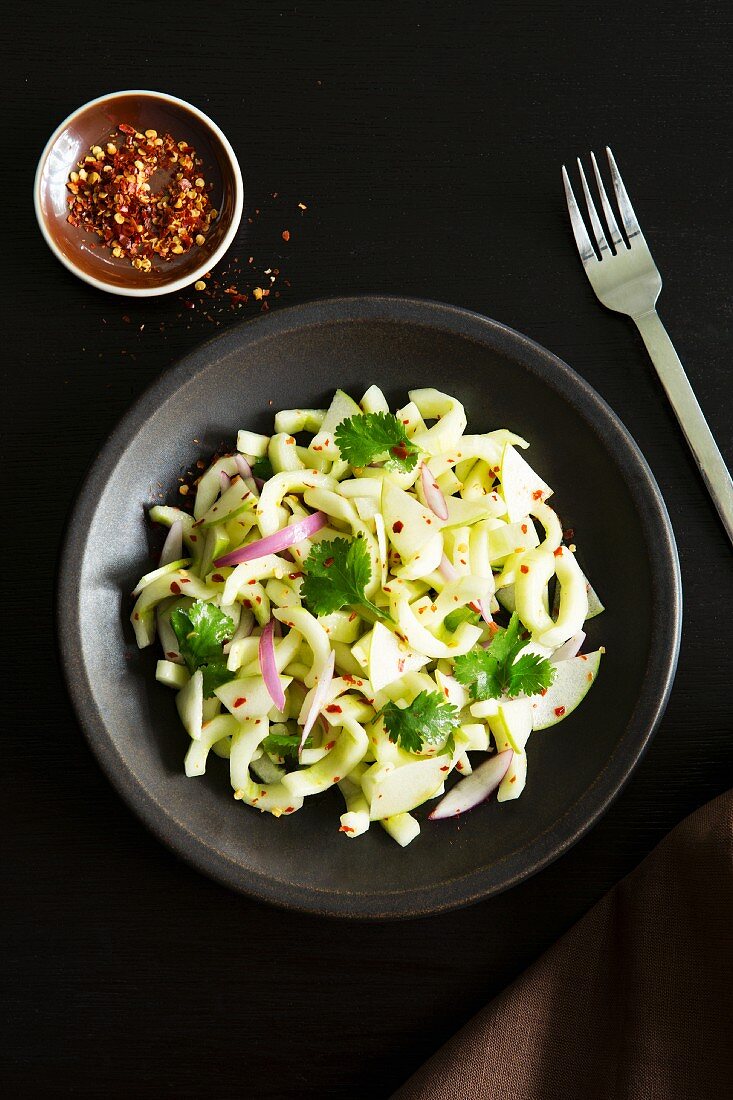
[(689, 414)]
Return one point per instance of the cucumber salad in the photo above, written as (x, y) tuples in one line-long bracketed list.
[(365, 599)]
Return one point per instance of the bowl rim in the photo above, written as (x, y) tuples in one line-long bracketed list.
[(595, 800), (176, 284)]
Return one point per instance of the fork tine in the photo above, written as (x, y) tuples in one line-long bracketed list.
[(595, 221), (607, 209), (628, 217), (582, 240)]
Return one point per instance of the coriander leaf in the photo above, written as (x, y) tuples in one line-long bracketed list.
[(505, 644), (428, 718), (497, 671), (262, 468), (530, 674), (285, 744), (461, 615), (449, 747), (479, 671), (369, 436), (215, 674), (337, 573), (201, 630)]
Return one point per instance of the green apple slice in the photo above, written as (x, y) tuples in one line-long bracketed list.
[(455, 693), (512, 724), (342, 407), (374, 401), (466, 511), (409, 526), (573, 680), (521, 486), (515, 779), (403, 828), (475, 737), (484, 708), (397, 790), (247, 696), (425, 562), (360, 652), (388, 659)]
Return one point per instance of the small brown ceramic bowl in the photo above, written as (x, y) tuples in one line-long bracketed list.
[(93, 124)]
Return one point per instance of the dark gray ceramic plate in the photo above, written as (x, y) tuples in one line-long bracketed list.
[(603, 489)]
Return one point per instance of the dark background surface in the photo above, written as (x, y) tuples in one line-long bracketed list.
[(426, 142)]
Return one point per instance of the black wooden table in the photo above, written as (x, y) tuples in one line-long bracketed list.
[(425, 141)]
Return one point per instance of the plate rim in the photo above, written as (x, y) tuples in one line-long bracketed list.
[(578, 818)]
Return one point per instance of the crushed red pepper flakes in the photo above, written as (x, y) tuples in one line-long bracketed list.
[(111, 196)]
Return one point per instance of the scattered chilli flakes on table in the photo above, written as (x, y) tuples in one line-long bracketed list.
[(236, 284), (111, 196)]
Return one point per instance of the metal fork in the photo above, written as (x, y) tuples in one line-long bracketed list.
[(625, 278)]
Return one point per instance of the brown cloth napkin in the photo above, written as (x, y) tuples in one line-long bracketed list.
[(633, 1002)]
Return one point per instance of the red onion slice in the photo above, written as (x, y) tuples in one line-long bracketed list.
[(225, 480), (433, 495), (320, 694), (173, 545), (482, 606), (568, 649), (447, 571), (475, 788), (245, 472), (269, 669), (243, 465), (273, 544)]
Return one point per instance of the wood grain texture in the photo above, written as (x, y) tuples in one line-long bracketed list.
[(426, 141)]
